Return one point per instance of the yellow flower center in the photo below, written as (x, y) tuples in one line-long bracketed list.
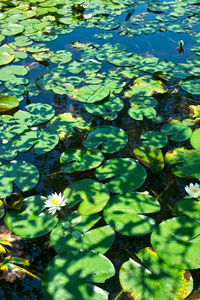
[(195, 191), (54, 201)]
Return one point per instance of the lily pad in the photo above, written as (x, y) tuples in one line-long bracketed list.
[(67, 237), (125, 213), (91, 93), (177, 131), (138, 111), (191, 85), (23, 174), (186, 162), (112, 139), (5, 57), (195, 139), (155, 138), (80, 160), (176, 241), (67, 276), (7, 103), (151, 157), (149, 281), (92, 194), (126, 174), (189, 207), (29, 221)]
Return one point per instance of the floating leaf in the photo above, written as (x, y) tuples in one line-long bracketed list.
[(155, 138), (2, 212), (93, 195), (66, 276), (189, 207), (145, 86), (191, 85), (151, 157), (149, 281), (176, 241), (125, 212), (177, 131), (187, 162), (195, 139), (126, 174), (29, 221), (7, 103), (91, 93), (23, 174), (138, 111), (5, 57), (61, 57), (71, 237), (112, 139), (65, 124), (81, 160)]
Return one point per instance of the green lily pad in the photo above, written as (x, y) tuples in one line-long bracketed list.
[(195, 139), (29, 221), (125, 213), (151, 157), (66, 276), (23, 174), (138, 111), (126, 174), (37, 113), (7, 103), (176, 241), (106, 108), (12, 29), (186, 162), (5, 57), (76, 237), (112, 139), (2, 209), (191, 85), (155, 138), (91, 93), (8, 151), (177, 131), (145, 86), (65, 124), (149, 281), (92, 194), (81, 160), (61, 57), (189, 207)]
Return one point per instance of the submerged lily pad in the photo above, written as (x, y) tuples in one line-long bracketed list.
[(176, 241), (29, 221), (80, 160), (92, 194), (125, 213), (112, 139), (186, 162), (149, 281), (126, 174)]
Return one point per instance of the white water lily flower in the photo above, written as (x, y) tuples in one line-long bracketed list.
[(54, 202), (193, 190)]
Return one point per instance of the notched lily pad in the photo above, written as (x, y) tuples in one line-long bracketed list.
[(125, 213), (29, 221), (80, 160), (92, 194), (126, 174), (7, 103), (151, 157), (178, 131), (149, 279), (91, 93), (186, 162), (112, 139)]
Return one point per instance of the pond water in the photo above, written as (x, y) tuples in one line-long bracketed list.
[(104, 109)]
